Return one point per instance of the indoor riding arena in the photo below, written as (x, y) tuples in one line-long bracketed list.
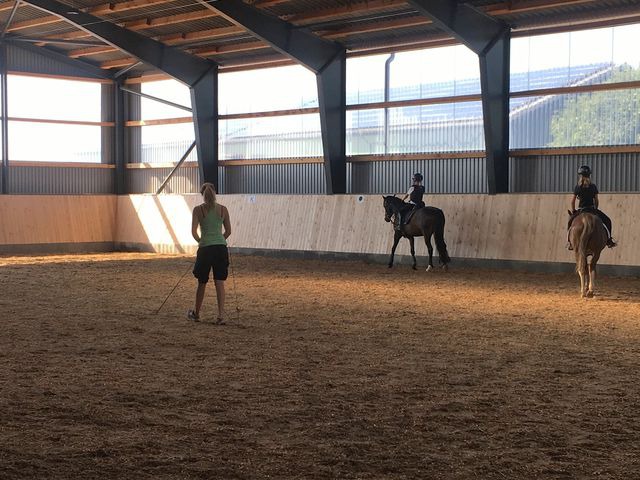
[(514, 355)]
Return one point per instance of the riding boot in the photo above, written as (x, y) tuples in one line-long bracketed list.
[(569, 246), (611, 242)]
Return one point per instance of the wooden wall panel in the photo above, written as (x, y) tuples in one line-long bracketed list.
[(57, 219), (521, 227)]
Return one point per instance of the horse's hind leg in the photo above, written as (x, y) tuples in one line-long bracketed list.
[(582, 272), (396, 239), (413, 252), (427, 240), (583, 280), (592, 276)]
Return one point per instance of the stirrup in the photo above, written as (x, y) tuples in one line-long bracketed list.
[(569, 246), (611, 243)]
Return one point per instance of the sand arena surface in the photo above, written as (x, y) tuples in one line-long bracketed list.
[(334, 370)]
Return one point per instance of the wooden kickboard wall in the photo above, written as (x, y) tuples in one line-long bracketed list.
[(520, 227), (56, 219)]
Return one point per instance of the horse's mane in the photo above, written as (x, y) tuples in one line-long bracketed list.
[(395, 202)]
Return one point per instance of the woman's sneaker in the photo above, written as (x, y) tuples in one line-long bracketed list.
[(191, 315)]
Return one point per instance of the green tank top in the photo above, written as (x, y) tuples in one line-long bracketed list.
[(211, 229)]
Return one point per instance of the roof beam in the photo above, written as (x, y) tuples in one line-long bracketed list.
[(182, 66), (490, 39), (300, 45)]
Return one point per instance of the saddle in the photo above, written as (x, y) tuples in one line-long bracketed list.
[(572, 215), (406, 212), (575, 213)]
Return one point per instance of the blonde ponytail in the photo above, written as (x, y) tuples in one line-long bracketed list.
[(208, 192), (584, 181)]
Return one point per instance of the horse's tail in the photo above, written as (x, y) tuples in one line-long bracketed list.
[(588, 228), (438, 234)]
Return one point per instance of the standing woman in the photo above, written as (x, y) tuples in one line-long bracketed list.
[(211, 217), (586, 193)]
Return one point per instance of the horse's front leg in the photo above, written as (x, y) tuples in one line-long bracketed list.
[(413, 252), (396, 238), (427, 240)]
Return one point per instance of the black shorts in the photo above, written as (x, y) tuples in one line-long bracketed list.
[(214, 257)]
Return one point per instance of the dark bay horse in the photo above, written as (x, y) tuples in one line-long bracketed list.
[(425, 222), (588, 236)]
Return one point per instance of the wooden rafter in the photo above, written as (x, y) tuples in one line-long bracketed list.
[(103, 9)]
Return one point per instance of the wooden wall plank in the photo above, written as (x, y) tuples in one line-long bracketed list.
[(44, 219)]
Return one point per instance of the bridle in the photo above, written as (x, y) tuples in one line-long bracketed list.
[(389, 211)]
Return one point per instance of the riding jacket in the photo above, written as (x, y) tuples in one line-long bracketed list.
[(415, 194), (586, 195)]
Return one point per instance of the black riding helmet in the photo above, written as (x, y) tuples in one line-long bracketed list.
[(417, 176), (585, 171)]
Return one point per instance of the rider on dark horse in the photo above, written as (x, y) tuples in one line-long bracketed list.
[(415, 193), (587, 193)]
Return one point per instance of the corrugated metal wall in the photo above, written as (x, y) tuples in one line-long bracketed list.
[(133, 135), (148, 180), (459, 175), (60, 180), (285, 179), (611, 172), (26, 60), (289, 178)]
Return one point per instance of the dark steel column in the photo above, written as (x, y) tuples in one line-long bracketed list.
[(332, 86), (494, 78), (204, 103), (119, 136), (5, 118), (490, 40), (325, 58)]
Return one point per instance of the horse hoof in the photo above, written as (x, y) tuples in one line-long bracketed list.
[(445, 268), (589, 295), (414, 267), (390, 265), (429, 268)]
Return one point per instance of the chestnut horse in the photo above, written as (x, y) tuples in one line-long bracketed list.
[(588, 236), (426, 222)]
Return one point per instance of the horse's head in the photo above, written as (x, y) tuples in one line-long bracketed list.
[(391, 205)]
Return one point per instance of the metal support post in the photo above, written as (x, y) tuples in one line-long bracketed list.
[(5, 117)]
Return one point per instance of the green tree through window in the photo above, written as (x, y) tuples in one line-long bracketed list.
[(600, 118)]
